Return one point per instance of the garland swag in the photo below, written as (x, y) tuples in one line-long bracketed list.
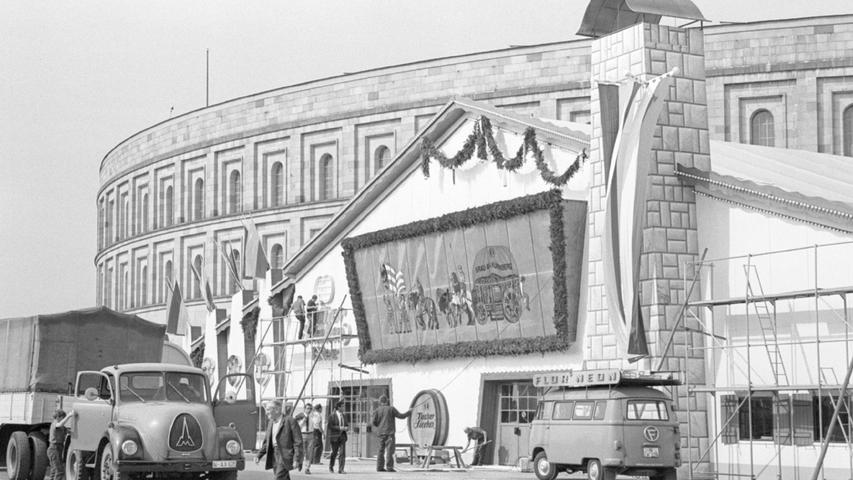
[(482, 141), (197, 356), (250, 323), (550, 200)]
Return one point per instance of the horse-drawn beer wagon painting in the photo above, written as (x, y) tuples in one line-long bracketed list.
[(477, 280)]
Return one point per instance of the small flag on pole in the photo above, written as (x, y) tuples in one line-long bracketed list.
[(206, 291), (230, 264), (176, 315), (256, 263)]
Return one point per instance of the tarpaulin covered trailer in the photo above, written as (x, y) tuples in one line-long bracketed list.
[(40, 357)]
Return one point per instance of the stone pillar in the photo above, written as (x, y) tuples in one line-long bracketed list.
[(670, 237)]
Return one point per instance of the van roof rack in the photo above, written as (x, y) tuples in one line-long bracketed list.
[(607, 377)]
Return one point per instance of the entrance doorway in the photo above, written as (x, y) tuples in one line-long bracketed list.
[(508, 408), (360, 399)]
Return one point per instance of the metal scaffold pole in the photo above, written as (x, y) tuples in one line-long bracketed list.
[(825, 443)]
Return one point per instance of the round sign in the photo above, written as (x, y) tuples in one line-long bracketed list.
[(324, 287), (651, 433), (429, 421)]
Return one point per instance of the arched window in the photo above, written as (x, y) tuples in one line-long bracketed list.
[(277, 184), (102, 226), (381, 157), (761, 129), (170, 206), (234, 192), (143, 287), (167, 280), (145, 213), (198, 199), (327, 180), (196, 284), (108, 288), (125, 224), (125, 289), (276, 256), (847, 131)]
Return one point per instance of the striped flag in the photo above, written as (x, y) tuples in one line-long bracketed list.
[(176, 314), (256, 263), (206, 291), (625, 210)]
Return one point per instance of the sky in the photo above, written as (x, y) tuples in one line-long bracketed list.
[(78, 77)]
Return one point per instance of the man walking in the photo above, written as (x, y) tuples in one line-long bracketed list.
[(283, 440), (336, 430), (384, 419), (299, 312)]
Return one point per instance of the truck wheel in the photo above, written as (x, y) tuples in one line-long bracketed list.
[(108, 470), (18, 456), (38, 446), (75, 466), (544, 469), (595, 471)]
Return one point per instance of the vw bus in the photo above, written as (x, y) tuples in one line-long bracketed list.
[(604, 423), (155, 419)]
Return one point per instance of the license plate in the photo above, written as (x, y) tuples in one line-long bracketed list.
[(651, 452), (225, 464)]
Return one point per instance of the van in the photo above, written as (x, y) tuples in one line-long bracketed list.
[(604, 423)]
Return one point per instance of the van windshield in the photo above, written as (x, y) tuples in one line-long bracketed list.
[(647, 410)]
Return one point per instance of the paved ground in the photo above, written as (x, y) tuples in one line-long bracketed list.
[(366, 469)]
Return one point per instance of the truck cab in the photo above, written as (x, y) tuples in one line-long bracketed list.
[(151, 418), (604, 423)]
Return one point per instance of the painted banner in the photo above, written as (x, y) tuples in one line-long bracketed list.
[(484, 282)]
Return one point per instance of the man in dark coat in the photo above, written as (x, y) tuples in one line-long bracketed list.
[(282, 441), (311, 310), (336, 432), (384, 419)]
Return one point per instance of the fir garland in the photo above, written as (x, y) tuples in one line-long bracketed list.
[(551, 200), (482, 140), (250, 323), (197, 355)]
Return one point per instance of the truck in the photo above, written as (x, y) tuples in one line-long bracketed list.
[(43, 358)]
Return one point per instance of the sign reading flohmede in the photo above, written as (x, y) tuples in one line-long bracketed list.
[(580, 378), (430, 418)]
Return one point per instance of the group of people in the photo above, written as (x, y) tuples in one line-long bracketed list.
[(294, 442), (297, 442), (306, 313)]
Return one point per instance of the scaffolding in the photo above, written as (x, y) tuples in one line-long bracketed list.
[(751, 323)]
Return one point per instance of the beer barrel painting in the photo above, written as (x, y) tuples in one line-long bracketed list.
[(430, 418)]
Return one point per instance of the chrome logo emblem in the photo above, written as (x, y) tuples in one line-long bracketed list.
[(185, 434), (652, 434)]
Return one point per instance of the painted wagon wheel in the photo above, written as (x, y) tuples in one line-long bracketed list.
[(511, 306)]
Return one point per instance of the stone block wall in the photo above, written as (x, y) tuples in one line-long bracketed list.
[(670, 243)]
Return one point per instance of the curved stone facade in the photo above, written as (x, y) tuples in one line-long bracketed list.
[(174, 193)]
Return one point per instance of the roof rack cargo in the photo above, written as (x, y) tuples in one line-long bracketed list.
[(612, 377)]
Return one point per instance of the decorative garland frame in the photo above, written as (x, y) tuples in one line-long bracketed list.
[(482, 141), (551, 200)]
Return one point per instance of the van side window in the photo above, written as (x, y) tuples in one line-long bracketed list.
[(583, 410), (544, 412), (647, 410), (563, 410), (600, 407)]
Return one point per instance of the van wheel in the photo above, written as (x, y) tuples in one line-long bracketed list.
[(665, 474), (594, 471), (38, 445), (108, 470), (75, 466), (18, 456), (544, 469)]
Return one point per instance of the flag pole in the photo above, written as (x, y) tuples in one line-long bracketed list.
[(207, 77)]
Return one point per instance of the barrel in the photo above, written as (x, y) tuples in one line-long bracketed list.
[(429, 422)]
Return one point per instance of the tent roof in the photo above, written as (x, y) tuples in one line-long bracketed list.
[(603, 17)]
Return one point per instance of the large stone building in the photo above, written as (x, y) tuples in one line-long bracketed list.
[(172, 194)]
